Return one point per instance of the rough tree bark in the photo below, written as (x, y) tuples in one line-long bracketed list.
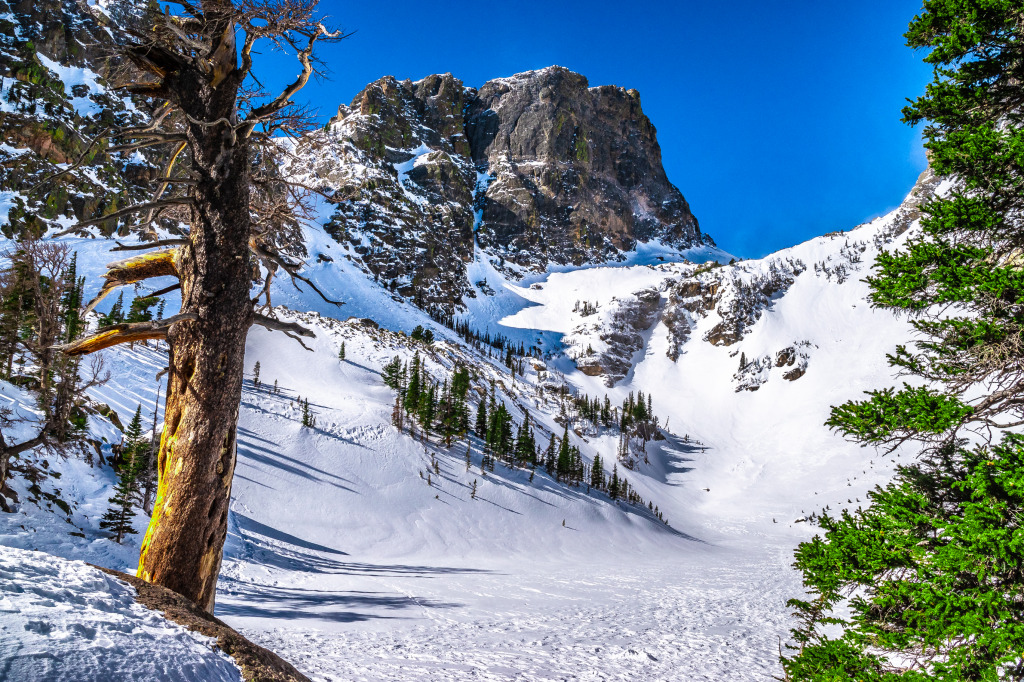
[(196, 460)]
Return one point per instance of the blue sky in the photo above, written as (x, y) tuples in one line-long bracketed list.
[(778, 121)]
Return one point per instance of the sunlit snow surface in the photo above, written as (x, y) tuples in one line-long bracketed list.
[(343, 559)]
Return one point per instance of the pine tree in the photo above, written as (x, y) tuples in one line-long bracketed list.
[(597, 473), (256, 375), (341, 351), (392, 373), (481, 420), (549, 455), (414, 388), (428, 407), (564, 465), (116, 314), (398, 414), (613, 487), (71, 302), (525, 447), (308, 416), (13, 294), (139, 311), (119, 516), (935, 559)]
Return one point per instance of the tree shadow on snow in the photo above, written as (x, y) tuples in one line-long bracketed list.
[(246, 600), (268, 546), (250, 526), (248, 448), (298, 419), (676, 454)]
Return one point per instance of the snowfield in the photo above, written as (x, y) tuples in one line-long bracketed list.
[(344, 560)]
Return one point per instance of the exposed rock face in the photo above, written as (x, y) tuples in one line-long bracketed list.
[(623, 336), (540, 167), (54, 57), (398, 163), (577, 170)]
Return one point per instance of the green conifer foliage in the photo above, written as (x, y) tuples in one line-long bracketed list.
[(481, 420), (564, 464), (414, 387), (931, 571), (597, 473), (71, 302), (139, 311), (116, 314), (392, 374), (119, 516)]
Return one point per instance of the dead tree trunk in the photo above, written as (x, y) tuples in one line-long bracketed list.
[(196, 461)]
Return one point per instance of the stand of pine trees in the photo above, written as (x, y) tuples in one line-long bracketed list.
[(478, 340), (927, 582), (443, 409)]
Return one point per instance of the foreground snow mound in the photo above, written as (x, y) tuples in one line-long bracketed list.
[(65, 620)]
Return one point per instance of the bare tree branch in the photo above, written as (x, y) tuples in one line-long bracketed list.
[(267, 255), (136, 269), (76, 164), (279, 326), (150, 245), (124, 333), (137, 208)]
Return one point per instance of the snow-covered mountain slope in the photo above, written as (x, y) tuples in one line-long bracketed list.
[(344, 559), (341, 555)]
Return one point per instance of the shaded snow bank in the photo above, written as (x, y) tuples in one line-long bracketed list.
[(65, 620)]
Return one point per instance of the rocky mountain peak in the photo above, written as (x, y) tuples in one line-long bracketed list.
[(537, 168), (589, 159)]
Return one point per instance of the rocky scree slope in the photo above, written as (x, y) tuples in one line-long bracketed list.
[(537, 169)]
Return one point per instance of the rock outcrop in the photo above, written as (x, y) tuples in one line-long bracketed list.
[(577, 173), (622, 336)]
